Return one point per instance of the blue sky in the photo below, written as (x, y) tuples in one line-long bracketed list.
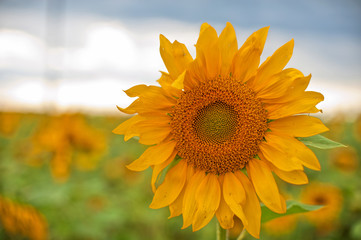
[(103, 47)]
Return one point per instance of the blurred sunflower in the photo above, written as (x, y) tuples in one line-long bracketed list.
[(357, 127), (70, 140), (330, 196), (24, 220), (345, 159), (217, 116), (282, 225), (337, 123), (9, 122)]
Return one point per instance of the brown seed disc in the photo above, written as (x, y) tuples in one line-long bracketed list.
[(218, 125)]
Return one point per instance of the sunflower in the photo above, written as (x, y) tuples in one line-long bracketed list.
[(345, 159), (17, 219), (219, 125), (9, 123), (357, 128), (282, 225), (325, 218), (69, 140)]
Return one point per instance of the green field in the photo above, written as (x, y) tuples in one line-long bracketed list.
[(71, 170)]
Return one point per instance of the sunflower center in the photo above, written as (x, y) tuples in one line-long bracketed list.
[(218, 125), (320, 200), (215, 122)]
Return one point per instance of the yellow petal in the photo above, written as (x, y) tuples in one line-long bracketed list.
[(147, 92), (165, 79), (156, 104), (294, 149), (296, 177), (273, 65), (136, 90), (175, 208), (126, 128), (228, 46), (153, 155), (278, 84), (175, 56), (234, 195), (207, 199), (265, 185), (166, 82), (178, 83), (252, 208), (272, 153), (159, 168), (153, 118), (294, 91), (194, 75), (208, 51), (298, 126), (131, 109), (151, 127), (204, 26), (173, 184), (303, 104), (181, 56), (307, 157), (151, 98), (224, 213), (154, 135), (247, 59), (189, 200)]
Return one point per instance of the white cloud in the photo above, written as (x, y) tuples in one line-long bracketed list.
[(20, 51), (106, 47), (102, 58)]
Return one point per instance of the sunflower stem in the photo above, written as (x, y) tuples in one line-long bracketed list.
[(222, 234), (242, 235)]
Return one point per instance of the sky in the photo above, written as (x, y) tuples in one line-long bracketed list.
[(80, 55)]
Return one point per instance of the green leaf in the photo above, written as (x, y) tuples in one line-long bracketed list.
[(293, 207), (321, 142), (356, 230)]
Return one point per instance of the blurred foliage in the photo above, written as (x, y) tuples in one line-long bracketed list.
[(68, 171)]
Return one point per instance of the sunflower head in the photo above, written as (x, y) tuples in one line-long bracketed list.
[(220, 124), (345, 159), (68, 140), (330, 197), (22, 220)]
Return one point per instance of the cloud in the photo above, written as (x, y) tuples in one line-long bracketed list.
[(20, 51), (107, 47), (102, 54)]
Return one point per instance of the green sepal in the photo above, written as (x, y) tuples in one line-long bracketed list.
[(319, 141), (293, 207)]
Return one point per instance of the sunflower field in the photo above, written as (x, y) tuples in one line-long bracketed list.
[(64, 177)]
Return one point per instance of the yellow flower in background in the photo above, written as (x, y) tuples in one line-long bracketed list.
[(282, 225), (357, 128), (22, 220), (9, 122), (328, 195), (215, 117), (345, 159), (114, 169), (337, 124), (70, 140)]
